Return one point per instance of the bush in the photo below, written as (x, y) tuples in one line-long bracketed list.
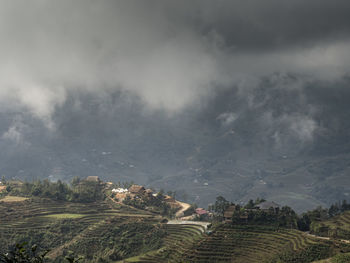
[(341, 258)]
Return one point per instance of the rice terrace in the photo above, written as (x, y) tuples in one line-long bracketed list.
[(138, 225)]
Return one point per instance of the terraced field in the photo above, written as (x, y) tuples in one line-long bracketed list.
[(113, 232), (336, 227), (178, 239), (230, 244), (62, 225), (247, 244)]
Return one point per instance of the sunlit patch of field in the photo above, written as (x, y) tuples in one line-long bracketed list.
[(9, 199), (64, 216)]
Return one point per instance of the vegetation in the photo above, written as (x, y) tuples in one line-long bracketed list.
[(20, 253), (178, 240), (76, 219), (78, 191), (246, 243), (92, 230), (119, 241), (341, 258), (155, 204), (335, 227)]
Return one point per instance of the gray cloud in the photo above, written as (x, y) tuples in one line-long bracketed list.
[(15, 133), (168, 53)]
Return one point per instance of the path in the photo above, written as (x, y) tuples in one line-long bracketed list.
[(327, 238), (184, 207), (182, 222)]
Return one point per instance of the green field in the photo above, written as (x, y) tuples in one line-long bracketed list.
[(64, 216)]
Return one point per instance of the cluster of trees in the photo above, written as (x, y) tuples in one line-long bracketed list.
[(153, 203), (22, 253), (77, 191), (284, 217), (221, 204), (319, 214)]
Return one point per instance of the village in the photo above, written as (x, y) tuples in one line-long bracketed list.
[(148, 199), (165, 205)]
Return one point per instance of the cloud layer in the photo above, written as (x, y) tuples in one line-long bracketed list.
[(169, 53)]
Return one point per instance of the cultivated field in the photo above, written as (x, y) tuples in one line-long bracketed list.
[(61, 226), (336, 227)]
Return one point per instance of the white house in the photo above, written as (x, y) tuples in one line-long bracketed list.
[(120, 190)]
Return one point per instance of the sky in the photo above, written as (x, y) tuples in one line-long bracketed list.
[(169, 53)]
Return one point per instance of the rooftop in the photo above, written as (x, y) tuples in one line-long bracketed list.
[(136, 188), (92, 179), (201, 211)]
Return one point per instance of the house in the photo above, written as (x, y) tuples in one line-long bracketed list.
[(201, 211), (120, 196), (137, 189), (109, 185), (267, 206), (94, 179), (119, 190), (229, 212), (149, 193)]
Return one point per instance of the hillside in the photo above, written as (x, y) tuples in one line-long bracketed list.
[(335, 227), (99, 223), (241, 244), (84, 228), (104, 230)]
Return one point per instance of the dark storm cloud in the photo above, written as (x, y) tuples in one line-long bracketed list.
[(170, 53), (273, 24)]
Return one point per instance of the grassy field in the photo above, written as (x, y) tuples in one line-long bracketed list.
[(64, 216)]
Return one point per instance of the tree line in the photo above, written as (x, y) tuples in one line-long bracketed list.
[(77, 191), (283, 217)]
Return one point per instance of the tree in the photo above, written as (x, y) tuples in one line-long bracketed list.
[(250, 204), (304, 223), (333, 210), (21, 254), (75, 181), (221, 205)]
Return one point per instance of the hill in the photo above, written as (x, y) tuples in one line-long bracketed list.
[(335, 227), (243, 244), (87, 229), (98, 227)]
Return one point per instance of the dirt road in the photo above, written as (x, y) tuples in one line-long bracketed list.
[(184, 207)]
